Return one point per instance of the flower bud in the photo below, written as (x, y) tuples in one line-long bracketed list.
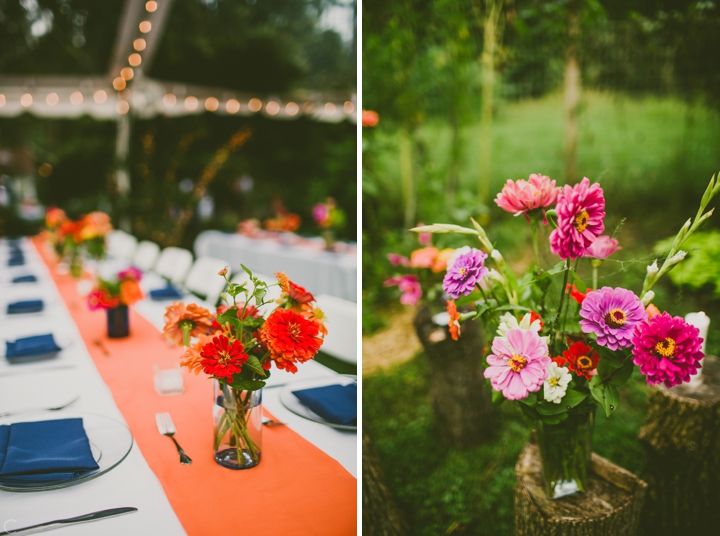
[(680, 255), (653, 269), (495, 275), (495, 254), (648, 297)]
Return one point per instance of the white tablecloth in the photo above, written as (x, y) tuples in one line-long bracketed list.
[(320, 272), (73, 373)]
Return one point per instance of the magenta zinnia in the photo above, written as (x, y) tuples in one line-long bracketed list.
[(518, 363), (667, 349), (612, 314), (580, 213)]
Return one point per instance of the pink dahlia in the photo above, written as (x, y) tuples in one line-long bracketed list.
[(409, 286), (580, 212), (518, 363), (612, 314), (667, 350), (523, 195), (602, 248)]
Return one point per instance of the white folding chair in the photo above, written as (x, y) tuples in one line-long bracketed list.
[(120, 245), (204, 281), (146, 255), (174, 264), (341, 340), (273, 291)]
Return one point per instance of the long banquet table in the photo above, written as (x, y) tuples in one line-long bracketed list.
[(305, 484), (323, 272)]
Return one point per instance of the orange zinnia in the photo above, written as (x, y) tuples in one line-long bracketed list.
[(183, 322), (192, 359), (454, 321), (130, 292), (314, 314), (290, 338)]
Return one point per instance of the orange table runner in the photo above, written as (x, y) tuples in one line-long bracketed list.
[(296, 490)]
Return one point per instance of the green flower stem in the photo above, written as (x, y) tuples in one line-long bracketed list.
[(186, 326), (536, 248), (553, 339)]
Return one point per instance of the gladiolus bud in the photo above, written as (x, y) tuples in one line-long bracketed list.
[(648, 297)]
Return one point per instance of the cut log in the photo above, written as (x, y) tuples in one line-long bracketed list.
[(380, 515), (611, 506), (682, 438), (461, 400)]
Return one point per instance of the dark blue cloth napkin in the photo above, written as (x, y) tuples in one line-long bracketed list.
[(334, 403), (167, 293), (25, 279), (44, 451), (16, 260), (29, 347), (29, 306)]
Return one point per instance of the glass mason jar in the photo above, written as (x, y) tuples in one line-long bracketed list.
[(565, 452), (237, 434), (118, 322)]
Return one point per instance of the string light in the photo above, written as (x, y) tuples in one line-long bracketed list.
[(100, 96), (135, 59), (348, 107), (76, 98), (151, 6), (330, 108), (169, 100), (291, 108), (139, 44), (255, 105), (2, 100), (272, 108), (127, 73), (308, 107), (232, 106), (26, 100), (145, 26), (119, 83), (211, 104), (122, 107), (52, 99), (45, 170), (191, 104)]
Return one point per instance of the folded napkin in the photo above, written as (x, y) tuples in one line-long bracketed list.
[(334, 403), (25, 279), (27, 348), (16, 260), (44, 451), (167, 293), (28, 306)]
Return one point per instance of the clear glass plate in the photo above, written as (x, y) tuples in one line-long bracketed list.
[(110, 442), (291, 402)]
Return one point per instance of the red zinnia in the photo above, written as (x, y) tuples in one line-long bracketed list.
[(560, 361), (290, 338), (299, 294), (222, 359), (534, 316), (575, 294), (581, 359)]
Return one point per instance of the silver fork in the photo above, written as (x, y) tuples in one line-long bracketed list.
[(167, 428)]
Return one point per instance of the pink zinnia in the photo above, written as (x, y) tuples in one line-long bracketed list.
[(523, 195), (518, 363), (602, 248), (667, 349), (398, 260), (612, 314), (580, 212), (320, 212), (130, 273), (409, 286)]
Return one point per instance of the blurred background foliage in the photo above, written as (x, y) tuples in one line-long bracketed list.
[(264, 46), (624, 92)]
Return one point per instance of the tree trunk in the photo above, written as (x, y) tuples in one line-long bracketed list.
[(611, 506), (406, 177), (380, 516), (451, 183), (572, 93), (461, 400), (682, 437)]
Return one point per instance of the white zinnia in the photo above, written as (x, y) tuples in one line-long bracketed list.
[(556, 383), (508, 322)]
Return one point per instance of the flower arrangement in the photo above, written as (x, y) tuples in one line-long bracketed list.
[(237, 346), (71, 238), (250, 227), (284, 220), (329, 217), (563, 348), (124, 289)]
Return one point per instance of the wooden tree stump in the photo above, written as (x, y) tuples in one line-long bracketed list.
[(682, 438), (610, 507), (461, 400), (379, 513)]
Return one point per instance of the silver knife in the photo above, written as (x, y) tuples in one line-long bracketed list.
[(94, 516)]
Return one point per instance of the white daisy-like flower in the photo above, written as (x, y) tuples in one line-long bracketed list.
[(456, 254), (508, 321), (556, 383)]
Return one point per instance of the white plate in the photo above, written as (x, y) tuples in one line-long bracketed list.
[(291, 402), (110, 442)]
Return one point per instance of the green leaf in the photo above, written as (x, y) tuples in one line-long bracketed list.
[(531, 400), (579, 284), (623, 373), (597, 389), (605, 368), (253, 363), (612, 397), (229, 317), (572, 398), (247, 270), (470, 298), (550, 408), (611, 357), (497, 397), (554, 419)]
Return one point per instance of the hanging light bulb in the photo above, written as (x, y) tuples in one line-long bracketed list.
[(100, 96), (119, 83), (191, 104), (76, 98), (151, 6), (255, 105), (232, 106), (52, 99), (211, 104), (139, 44), (145, 26), (169, 100), (292, 108), (26, 100), (348, 107), (134, 59), (127, 73), (122, 107)]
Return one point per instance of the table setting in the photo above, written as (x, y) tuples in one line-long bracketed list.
[(110, 435)]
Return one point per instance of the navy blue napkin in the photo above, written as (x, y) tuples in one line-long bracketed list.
[(25, 279), (44, 451), (27, 348), (16, 260), (29, 306), (167, 293), (334, 403)]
